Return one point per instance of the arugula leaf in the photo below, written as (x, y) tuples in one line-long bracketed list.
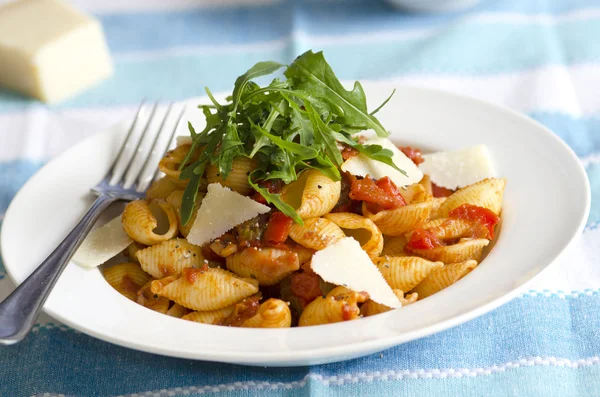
[(189, 198), (312, 73), (275, 199), (258, 70), (384, 103), (324, 136), (377, 152)]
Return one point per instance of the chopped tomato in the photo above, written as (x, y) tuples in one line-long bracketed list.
[(439, 191), (423, 239), (278, 228), (348, 152), (242, 311), (305, 285), (383, 194), (481, 215), (414, 154)]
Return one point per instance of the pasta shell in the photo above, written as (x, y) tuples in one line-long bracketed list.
[(394, 246), (304, 254), (340, 304), (237, 179), (361, 229), (371, 308), (405, 272), (175, 199), (398, 221), (132, 251), (177, 311), (146, 298), (162, 187), (273, 313), (436, 203), (267, 265), (313, 194), (444, 277), (317, 233), (487, 193), (447, 228), (209, 317), (203, 290), (464, 250), (170, 257), (171, 162), (126, 278), (140, 222)]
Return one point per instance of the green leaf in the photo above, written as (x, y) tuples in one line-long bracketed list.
[(384, 103), (258, 70), (189, 199), (378, 153), (275, 199), (324, 136), (303, 152), (311, 73), (212, 99)]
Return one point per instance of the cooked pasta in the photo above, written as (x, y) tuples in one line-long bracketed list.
[(267, 265), (487, 193), (210, 316), (141, 223), (443, 277), (317, 233), (272, 313), (361, 229), (126, 278), (203, 290), (312, 195), (398, 221), (161, 188), (312, 212), (174, 199), (405, 272), (237, 180), (340, 304), (146, 298), (371, 308), (464, 250)]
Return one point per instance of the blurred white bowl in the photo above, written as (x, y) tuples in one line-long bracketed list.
[(432, 5)]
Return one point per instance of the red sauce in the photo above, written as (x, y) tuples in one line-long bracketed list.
[(423, 239), (243, 311), (439, 191), (305, 285), (382, 195), (414, 154), (210, 255), (480, 215), (348, 152), (278, 228), (349, 312), (192, 274)]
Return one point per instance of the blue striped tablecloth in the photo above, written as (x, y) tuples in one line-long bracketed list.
[(540, 57)]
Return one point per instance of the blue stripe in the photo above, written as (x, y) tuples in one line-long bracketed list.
[(526, 327), (222, 26), (13, 175), (593, 172), (582, 134), (462, 49)]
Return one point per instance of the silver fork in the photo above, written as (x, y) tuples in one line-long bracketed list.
[(126, 180)]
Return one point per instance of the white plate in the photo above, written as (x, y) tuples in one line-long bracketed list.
[(546, 204)]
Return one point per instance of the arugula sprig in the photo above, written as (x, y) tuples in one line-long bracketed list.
[(287, 126)]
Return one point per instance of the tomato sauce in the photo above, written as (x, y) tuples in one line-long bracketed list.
[(414, 154), (382, 194), (423, 239), (479, 215), (305, 285), (243, 311), (439, 191), (278, 229)]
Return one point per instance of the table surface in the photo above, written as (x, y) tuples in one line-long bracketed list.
[(538, 57)]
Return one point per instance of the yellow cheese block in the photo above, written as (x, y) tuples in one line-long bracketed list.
[(50, 51)]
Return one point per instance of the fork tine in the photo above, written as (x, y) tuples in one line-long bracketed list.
[(133, 168), (146, 175), (118, 157)]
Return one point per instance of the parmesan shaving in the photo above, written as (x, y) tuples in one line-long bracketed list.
[(102, 244)]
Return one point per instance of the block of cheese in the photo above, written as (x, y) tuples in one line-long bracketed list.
[(362, 165), (222, 209), (459, 168), (50, 51), (102, 244), (346, 263)]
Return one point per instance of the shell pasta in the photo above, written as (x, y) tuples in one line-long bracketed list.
[(280, 213)]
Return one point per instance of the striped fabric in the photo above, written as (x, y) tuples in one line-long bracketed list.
[(540, 57)]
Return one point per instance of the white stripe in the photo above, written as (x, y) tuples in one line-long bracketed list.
[(361, 377), (43, 133), (561, 294), (591, 159)]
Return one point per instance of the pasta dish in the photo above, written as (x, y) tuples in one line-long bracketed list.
[(292, 208)]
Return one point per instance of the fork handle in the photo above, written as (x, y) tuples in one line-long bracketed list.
[(20, 309)]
